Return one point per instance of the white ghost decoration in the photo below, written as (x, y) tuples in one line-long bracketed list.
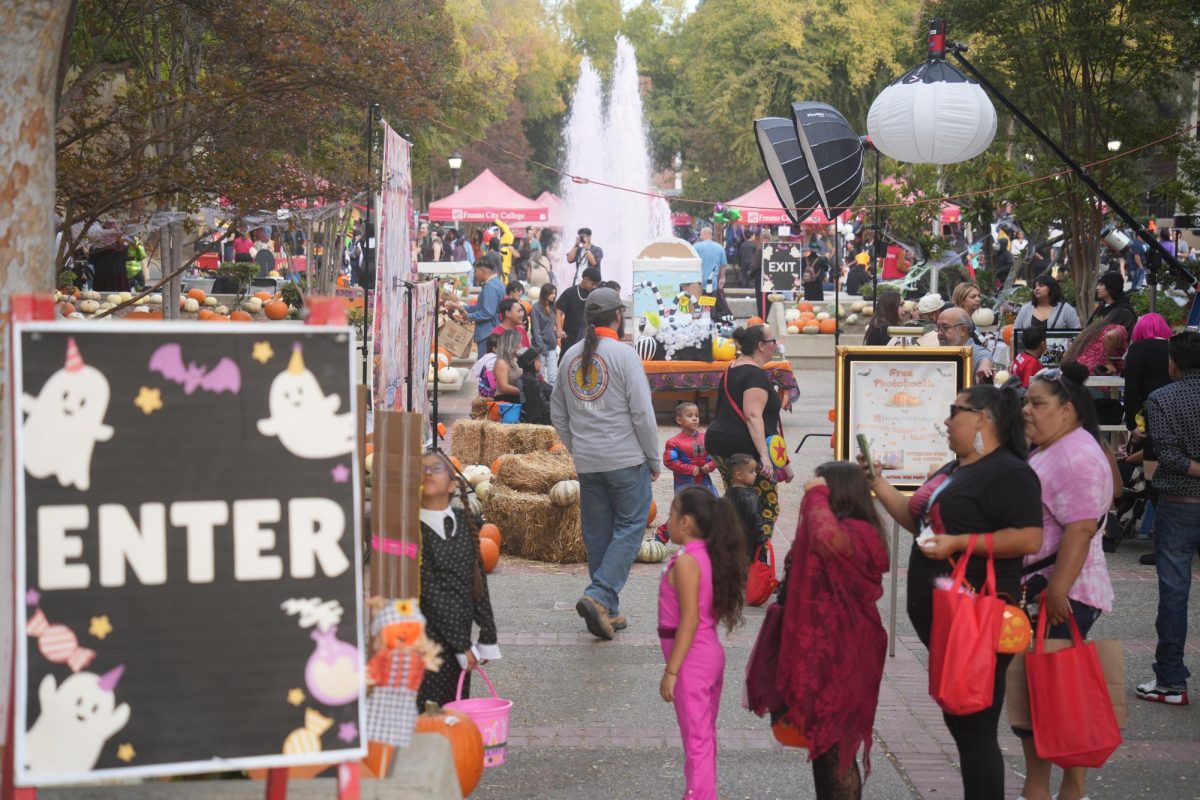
[(76, 720), (303, 417), (65, 421)]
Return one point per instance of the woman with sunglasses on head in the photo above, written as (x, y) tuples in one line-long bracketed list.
[(988, 488), (1070, 569)]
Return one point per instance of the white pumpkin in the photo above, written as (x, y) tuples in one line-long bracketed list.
[(155, 299), (1001, 377), (89, 306), (564, 493), (447, 375), (775, 297), (91, 295), (75, 315), (369, 462), (190, 305), (482, 488), (652, 551), (476, 474), (857, 306), (810, 329), (211, 302), (793, 329), (222, 310), (792, 315), (868, 310), (252, 305), (432, 375), (273, 274), (852, 319), (983, 317), (112, 298), (141, 301), (58, 296), (824, 315), (140, 310), (126, 297), (106, 306), (534, 292)]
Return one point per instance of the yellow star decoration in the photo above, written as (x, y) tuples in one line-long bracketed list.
[(126, 752), (262, 352), (100, 627), (295, 697), (149, 400)]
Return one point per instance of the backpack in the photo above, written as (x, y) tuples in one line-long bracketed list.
[(487, 383), (808, 274)]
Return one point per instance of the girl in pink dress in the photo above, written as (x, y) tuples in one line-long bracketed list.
[(702, 583)]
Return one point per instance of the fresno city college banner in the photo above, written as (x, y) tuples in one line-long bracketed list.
[(188, 557)]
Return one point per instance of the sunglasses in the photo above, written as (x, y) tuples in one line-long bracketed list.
[(955, 409), (768, 341)]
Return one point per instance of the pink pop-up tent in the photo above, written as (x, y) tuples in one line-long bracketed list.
[(485, 199)]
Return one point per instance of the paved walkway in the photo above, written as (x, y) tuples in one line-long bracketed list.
[(588, 723)]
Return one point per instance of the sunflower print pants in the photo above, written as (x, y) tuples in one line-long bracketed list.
[(768, 496)]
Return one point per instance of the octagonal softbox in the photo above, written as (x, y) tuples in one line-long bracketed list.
[(814, 159)]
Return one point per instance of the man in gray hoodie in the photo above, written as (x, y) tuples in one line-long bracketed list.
[(602, 412)]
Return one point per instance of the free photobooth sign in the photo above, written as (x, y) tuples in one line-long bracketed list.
[(187, 550)]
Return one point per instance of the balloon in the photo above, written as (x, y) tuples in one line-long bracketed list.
[(734, 214)]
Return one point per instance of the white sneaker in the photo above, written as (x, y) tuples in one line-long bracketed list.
[(1152, 691)]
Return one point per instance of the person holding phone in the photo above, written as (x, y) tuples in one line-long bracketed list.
[(584, 254)]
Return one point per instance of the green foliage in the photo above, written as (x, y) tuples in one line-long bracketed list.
[(291, 294), (1172, 312), (868, 291), (241, 273), (67, 278)]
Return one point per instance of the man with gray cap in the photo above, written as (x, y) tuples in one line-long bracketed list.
[(601, 410)]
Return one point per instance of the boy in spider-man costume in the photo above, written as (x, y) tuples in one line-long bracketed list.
[(685, 455)]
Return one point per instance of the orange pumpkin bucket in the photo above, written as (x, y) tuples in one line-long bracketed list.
[(490, 715)]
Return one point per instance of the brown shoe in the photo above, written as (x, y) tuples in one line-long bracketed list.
[(619, 622), (595, 616)]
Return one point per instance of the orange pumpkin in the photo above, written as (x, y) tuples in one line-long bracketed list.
[(204, 314), (466, 743), (276, 309), (827, 325), (490, 532), (496, 465), (441, 429), (1015, 632), (804, 305), (754, 321), (805, 316), (266, 297), (558, 447), (66, 309), (143, 317), (218, 318), (241, 316), (653, 514), (489, 551), (789, 734), (1006, 332), (198, 295)]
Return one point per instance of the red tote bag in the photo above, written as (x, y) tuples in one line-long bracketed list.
[(962, 647), (1074, 724)]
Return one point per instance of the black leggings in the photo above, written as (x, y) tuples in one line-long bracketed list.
[(832, 784), (978, 747)]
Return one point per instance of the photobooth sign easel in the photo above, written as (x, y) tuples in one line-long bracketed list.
[(899, 397), (187, 550)]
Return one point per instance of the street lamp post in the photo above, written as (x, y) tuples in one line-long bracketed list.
[(455, 162)]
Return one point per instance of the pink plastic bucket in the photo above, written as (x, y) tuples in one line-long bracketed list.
[(490, 715)]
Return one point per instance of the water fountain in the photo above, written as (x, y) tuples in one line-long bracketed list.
[(610, 144)]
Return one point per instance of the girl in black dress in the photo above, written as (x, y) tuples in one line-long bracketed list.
[(454, 591)]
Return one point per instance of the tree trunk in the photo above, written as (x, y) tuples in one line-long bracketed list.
[(31, 38)]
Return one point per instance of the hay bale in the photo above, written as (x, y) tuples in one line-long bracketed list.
[(532, 438), (535, 472), (479, 408), (535, 528), (466, 441)]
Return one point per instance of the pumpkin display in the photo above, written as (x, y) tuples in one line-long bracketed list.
[(263, 297), (210, 302), (218, 318), (91, 295), (490, 532), (482, 489), (154, 299), (804, 305), (868, 310), (1006, 333), (852, 319), (754, 322), (66, 309), (89, 306), (810, 329), (653, 513), (276, 309), (466, 742), (253, 305), (204, 314), (652, 551), (223, 310), (112, 298), (369, 462), (857, 306), (476, 474), (983, 317), (792, 315), (787, 733), (447, 375), (775, 297), (489, 552), (806, 316), (241, 316), (564, 493), (827, 325), (126, 296), (191, 305), (441, 358), (822, 316), (197, 294), (496, 465), (793, 329)]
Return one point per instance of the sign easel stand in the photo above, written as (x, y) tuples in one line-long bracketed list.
[(25, 308)]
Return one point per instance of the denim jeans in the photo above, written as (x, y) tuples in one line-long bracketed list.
[(614, 506), (1137, 279), (1176, 541)]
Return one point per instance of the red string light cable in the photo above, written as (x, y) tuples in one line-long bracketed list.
[(914, 201)]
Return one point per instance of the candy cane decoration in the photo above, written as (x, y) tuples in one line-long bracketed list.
[(653, 287)]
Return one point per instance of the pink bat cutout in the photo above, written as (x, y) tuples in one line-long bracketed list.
[(167, 360)]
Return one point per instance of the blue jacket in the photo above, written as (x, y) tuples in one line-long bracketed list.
[(485, 313)]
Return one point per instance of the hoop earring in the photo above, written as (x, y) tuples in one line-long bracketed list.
[(979, 448)]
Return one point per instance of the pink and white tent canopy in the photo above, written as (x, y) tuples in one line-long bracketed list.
[(761, 206), (555, 210), (485, 199)]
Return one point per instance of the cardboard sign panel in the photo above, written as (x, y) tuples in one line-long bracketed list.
[(188, 549), (782, 266)]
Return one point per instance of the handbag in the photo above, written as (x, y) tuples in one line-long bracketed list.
[(761, 582), (1074, 724), (962, 647), (775, 441)]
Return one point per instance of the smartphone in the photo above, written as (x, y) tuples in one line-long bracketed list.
[(865, 449)]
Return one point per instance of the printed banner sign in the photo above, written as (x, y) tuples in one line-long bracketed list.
[(899, 398), (782, 266), (187, 550)]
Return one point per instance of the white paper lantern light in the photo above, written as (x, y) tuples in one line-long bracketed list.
[(932, 114)]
